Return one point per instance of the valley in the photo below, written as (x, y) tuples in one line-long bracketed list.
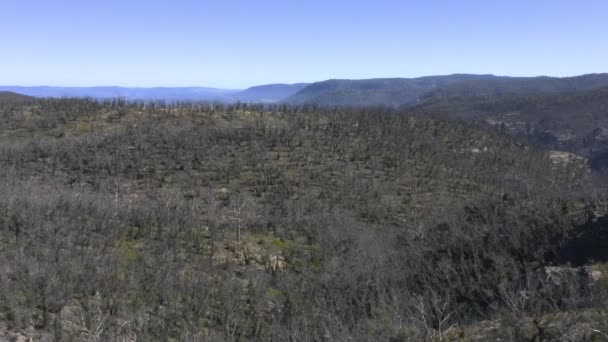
[(259, 222)]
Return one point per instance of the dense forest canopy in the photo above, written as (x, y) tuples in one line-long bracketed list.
[(149, 221)]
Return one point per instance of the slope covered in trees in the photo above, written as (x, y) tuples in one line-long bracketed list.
[(7, 97), (269, 93), (374, 92), (501, 86), (567, 114), (575, 122), (408, 92), (277, 223)]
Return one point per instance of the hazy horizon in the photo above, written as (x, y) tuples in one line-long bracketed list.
[(211, 87), (239, 44), (290, 170)]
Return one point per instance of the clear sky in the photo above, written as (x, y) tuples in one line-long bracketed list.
[(235, 44)]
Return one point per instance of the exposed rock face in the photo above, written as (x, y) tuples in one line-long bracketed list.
[(247, 253), (29, 335), (560, 157), (559, 275), (277, 263), (596, 275), (223, 195)]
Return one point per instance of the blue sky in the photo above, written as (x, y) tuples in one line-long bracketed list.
[(236, 44)]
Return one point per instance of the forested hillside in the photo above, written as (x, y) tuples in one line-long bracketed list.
[(576, 122), (374, 92), (7, 97), (500, 86), (414, 91), (269, 93), (123, 221), (568, 114)]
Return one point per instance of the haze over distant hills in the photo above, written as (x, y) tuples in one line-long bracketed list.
[(157, 93), (269, 93), (368, 92), (263, 94)]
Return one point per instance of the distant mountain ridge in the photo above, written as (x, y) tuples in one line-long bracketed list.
[(269, 93), (393, 92), (110, 92), (412, 91), (380, 91), (503, 86)]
